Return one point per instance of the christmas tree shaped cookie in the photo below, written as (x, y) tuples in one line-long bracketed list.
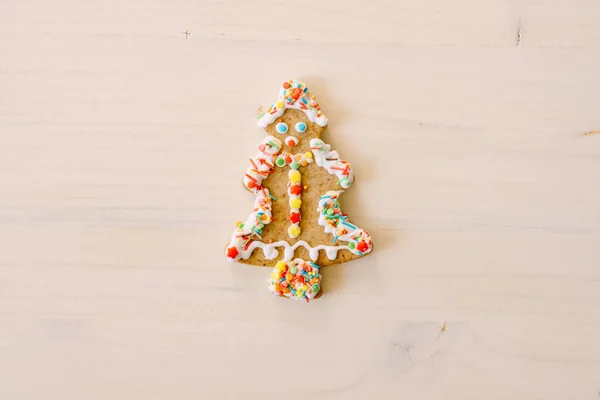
[(297, 225)]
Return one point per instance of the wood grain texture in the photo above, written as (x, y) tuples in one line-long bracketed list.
[(465, 124)]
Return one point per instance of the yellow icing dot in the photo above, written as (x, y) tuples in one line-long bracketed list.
[(308, 155), (279, 104), (294, 231), (295, 203), (280, 266), (295, 176)]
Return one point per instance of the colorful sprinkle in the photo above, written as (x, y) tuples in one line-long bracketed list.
[(362, 246), (295, 203), (297, 279), (293, 94), (334, 222), (232, 252), (294, 231), (349, 225), (330, 160), (295, 217), (295, 190), (294, 176)]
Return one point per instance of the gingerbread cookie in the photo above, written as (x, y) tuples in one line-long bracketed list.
[(297, 224)]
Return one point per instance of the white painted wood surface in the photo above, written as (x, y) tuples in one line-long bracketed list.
[(474, 177)]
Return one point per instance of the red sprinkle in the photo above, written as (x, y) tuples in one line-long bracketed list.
[(295, 189), (295, 217), (267, 164), (362, 246), (232, 252)]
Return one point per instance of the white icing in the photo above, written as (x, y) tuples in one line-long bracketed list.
[(291, 141), (294, 191), (261, 165), (294, 229), (331, 161), (335, 222), (293, 94), (270, 251)]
